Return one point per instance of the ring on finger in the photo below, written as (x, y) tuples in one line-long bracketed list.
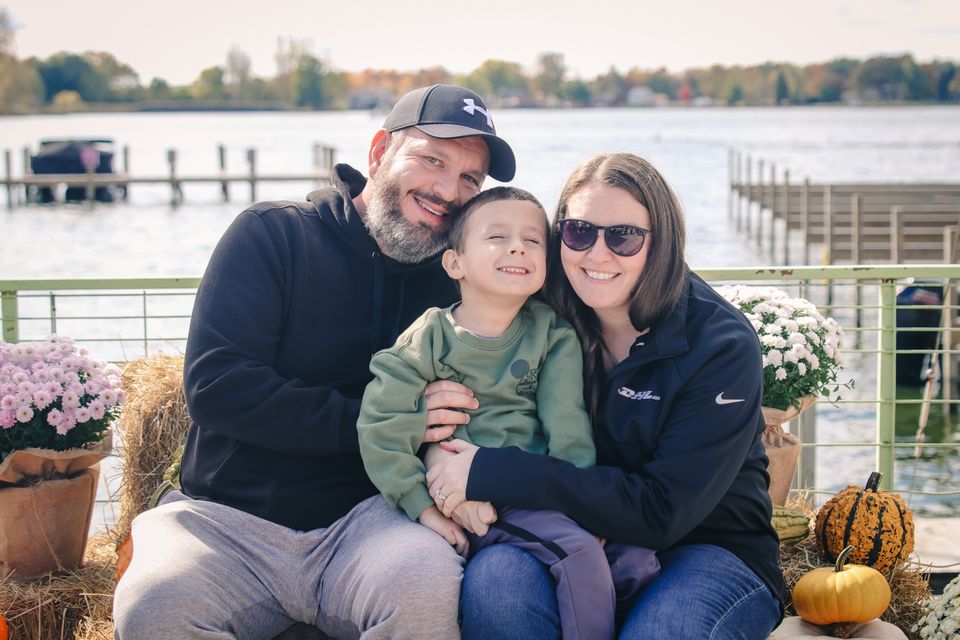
[(440, 496)]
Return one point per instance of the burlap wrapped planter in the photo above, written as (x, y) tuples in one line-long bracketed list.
[(783, 449), (46, 502)]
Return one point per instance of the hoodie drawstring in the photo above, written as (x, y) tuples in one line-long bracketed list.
[(396, 323), (377, 301)]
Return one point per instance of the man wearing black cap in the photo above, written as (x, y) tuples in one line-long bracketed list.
[(277, 522)]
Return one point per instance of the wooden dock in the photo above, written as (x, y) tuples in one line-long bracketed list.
[(20, 190), (843, 223)]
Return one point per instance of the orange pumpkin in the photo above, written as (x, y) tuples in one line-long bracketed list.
[(124, 556), (842, 593), (3, 628)]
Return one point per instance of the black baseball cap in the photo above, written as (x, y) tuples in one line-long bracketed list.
[(446, 111)]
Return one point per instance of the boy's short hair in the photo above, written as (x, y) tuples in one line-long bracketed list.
[(455, 236)]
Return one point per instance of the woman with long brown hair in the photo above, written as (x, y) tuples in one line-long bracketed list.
[(673, 384)]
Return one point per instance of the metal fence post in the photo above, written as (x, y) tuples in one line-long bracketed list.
[(887, 381), (8, 312)]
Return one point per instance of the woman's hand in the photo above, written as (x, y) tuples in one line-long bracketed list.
[(445, 399), (475, 517), (447, 480)]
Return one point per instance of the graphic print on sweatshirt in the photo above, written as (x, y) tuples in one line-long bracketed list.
[(528, 377)]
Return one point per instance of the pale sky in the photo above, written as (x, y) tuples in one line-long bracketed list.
[(176, 39)]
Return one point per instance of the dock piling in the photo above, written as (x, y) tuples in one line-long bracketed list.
[(27, 170), (786, 216), (730, 180), (89, 190), (8, 172), (773, 211), (741, 200), (252, 162), (895, 235), (805, 219), (329, 159), (224, 185), (760, 186), (125, 191), (176, 193)]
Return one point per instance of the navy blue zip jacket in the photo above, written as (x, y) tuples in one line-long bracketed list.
[(295, 299), (678, 445)]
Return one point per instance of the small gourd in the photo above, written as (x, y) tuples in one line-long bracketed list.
[(792, 524), (842, 593), (877, 523), (3, 628)]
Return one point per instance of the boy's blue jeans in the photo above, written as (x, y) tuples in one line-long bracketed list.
[(703, 592)]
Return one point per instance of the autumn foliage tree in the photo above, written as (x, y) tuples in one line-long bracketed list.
[(71, 81)]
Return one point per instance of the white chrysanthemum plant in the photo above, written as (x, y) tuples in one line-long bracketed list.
[(801, 348), (940, 619)]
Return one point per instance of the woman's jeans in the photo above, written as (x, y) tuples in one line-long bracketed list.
[(703, 592)]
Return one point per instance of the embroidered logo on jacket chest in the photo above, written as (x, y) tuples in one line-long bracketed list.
[(627, 392), (527, 375)]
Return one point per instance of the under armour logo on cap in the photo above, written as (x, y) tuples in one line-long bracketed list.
[(471, 108), (449, 112)]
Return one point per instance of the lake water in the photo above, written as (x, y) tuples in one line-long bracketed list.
[(148, 237)]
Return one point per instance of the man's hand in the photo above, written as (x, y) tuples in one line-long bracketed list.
[(447, 528), (474, 516), (445, 401)]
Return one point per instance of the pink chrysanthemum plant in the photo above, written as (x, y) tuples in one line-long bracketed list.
[(54, 396), (801, 348)]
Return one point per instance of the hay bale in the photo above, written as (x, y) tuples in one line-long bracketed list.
[(152, 427), (74, 605), (909, 587)]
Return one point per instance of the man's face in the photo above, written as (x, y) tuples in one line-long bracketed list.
[(418, 183)]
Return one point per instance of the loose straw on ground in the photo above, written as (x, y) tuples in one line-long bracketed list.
[(75, 605)]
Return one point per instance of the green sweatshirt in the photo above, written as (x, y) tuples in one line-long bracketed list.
[(528, 381)]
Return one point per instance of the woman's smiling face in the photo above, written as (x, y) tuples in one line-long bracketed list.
[(601, 278)]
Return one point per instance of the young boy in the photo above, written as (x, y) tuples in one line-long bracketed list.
[(525, 366)]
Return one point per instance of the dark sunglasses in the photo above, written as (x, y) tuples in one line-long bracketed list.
[(622, 239)]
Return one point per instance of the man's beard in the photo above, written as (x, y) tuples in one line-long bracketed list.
[(402, 240)]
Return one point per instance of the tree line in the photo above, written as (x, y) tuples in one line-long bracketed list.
[(67, 81)]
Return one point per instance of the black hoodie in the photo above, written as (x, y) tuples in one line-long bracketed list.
[(296, 298)]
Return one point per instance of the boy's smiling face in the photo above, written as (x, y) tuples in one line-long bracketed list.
[(504, 253)]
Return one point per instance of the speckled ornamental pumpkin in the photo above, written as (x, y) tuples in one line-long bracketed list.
[(876, 523)]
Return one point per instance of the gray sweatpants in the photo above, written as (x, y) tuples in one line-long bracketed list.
[(205, 570)]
